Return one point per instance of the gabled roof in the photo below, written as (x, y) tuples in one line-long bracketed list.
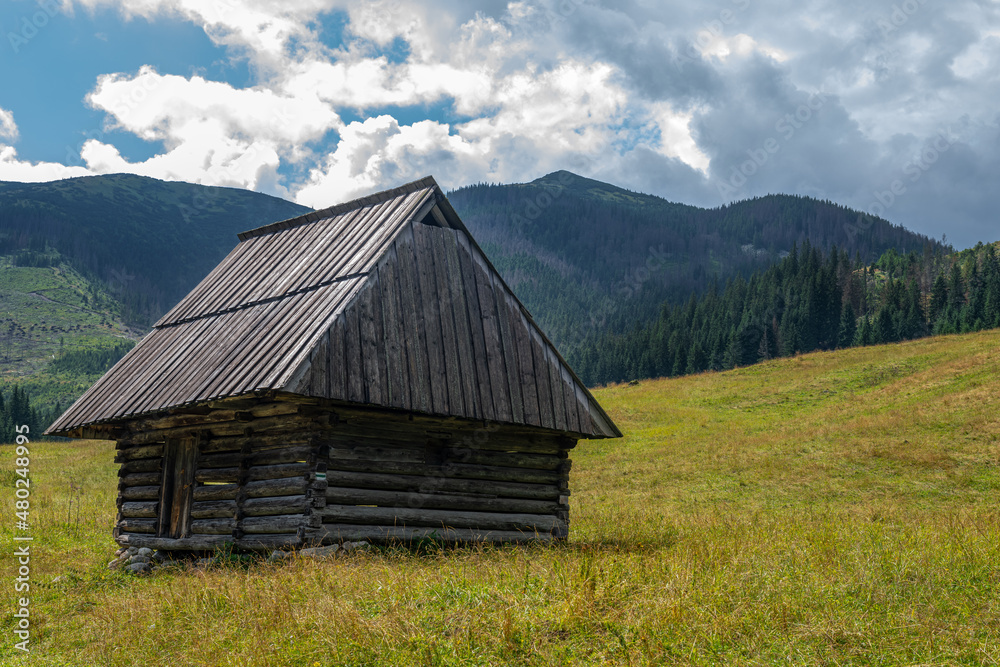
[(384, 301)]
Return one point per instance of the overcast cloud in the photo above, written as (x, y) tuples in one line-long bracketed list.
[(891, 107)]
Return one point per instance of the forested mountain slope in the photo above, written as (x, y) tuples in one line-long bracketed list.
[(585, 256)]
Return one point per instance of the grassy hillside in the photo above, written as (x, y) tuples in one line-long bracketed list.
[(146, 240), (832, 508), (49, 312)]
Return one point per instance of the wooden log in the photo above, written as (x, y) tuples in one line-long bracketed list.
[(291, 486), (140, 465), (289, 454), (442, 485), (351, 496), (543, 523), (332, 533), (288, 424), (459, 470), (402, 454), (280, 471), (213, 509), (217, 475), (133, 453), (213, 526), (222, 460), (504, 459), (140, 493), (265, 542), (141, 479), (255, 442), (275, 506), (216, 492), (285, 523), (139, 510), (192, 543), (137, 525)]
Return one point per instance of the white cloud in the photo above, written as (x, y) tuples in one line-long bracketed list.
[(536, 85), (14, 169), (8, 128)]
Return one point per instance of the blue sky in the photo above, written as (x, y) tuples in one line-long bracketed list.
[(889, 107)]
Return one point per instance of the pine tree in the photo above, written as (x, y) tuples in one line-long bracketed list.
[(848, 326)]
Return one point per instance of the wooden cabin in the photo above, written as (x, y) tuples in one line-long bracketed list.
[(360, 372)]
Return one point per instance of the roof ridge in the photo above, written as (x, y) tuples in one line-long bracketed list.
[(338, 209)]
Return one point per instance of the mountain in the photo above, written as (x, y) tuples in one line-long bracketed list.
[(147, 241), (807, 301), (585, 256), (86, 264)]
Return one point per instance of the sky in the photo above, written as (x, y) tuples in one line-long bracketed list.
[(888, 106)]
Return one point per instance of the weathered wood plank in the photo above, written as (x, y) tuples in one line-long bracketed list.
[(141, 479), (351, 496), (431, 307), (137, 525), (291, 486), (397, 365), (217, 475), (286, 523), (133, 453), (544, 392), (215, 492), (459, 470), (263, 542), (213, 526), (425, 484), (139, 510), (474, 317), (337, 372), (272, 506), (140, 465), (411, 317), (279, 471), (370, 351), (141, 493), (526, 368), (455, 312), (556, 390), (352, 354), (332, 533), (511, 352), (213, 509), (193, 543), (543, 523)]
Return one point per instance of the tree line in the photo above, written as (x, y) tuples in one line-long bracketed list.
[(808, 301), (16, 410)]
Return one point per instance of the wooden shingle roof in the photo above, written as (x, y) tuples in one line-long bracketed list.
[(384, 301)]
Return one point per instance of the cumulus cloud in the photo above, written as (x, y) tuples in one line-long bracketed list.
[(8, 128), (698, 102), (14, 169)]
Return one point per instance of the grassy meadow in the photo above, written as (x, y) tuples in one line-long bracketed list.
[(834, 508)]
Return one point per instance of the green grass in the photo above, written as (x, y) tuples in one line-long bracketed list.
[(835, 508), (45, 311)]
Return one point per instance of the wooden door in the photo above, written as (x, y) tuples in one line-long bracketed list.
[(177, 489)]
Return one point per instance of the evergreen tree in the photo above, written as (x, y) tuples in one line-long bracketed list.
[(848, 326)]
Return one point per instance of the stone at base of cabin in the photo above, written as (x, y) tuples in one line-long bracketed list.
[(140, 568), (144, 551), (351, 546), (132, 551), (320, 552), (114, 564), (277, 556), (202, 563)]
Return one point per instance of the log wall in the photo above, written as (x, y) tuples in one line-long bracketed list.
[(281, 473)]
